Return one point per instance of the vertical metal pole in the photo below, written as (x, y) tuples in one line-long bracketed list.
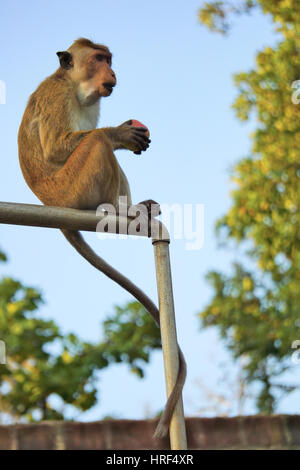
[(169, 338)]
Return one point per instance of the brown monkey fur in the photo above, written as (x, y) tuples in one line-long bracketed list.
[(68, 162)]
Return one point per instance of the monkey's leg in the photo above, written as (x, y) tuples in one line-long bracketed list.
[(124, 189), (90, 176)]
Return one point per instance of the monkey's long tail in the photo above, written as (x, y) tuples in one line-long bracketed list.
[(78, 242)]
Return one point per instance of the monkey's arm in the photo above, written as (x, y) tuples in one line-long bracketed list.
[(57, 149), (59, 141), (58, 146)]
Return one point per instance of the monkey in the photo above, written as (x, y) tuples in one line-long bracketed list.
[(68, 162)]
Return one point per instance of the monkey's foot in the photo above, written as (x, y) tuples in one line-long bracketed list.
[(149, 210)]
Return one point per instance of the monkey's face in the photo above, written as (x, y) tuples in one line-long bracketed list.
[(91, 70), (103, 78), (99, 75)]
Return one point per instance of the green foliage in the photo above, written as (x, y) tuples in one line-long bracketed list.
[(2, 256), (215, 14), (257, 312), (42, 363), (32, 374), (130, 336)]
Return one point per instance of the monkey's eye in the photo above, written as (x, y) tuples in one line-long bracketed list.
[(99, 57)]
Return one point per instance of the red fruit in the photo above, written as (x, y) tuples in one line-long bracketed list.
[(136, 123)]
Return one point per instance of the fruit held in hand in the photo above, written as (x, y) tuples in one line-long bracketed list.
[(136, 123), (142, 137)]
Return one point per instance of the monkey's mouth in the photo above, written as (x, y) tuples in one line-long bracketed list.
[(108, 87)]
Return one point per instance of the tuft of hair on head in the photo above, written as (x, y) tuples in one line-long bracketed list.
[(84, 42)]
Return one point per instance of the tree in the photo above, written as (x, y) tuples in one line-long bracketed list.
[(130, 336), (256, 308), (42, 363)]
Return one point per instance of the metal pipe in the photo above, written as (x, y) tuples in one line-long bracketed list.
[(169, 338), (74, 219)]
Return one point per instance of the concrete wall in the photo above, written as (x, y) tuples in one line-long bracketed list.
[(247, 432)]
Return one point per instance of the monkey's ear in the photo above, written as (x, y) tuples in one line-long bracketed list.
[(65, 60)]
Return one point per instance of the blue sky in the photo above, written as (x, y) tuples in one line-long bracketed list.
[(176, 77)]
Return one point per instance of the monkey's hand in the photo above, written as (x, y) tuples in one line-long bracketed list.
[(130, 137)]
